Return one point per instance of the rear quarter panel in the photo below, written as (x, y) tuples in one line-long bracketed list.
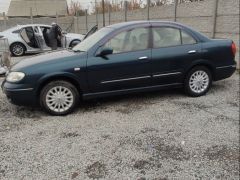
[(219, 52)]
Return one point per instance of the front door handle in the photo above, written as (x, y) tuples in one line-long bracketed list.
[(143, 58), (192, 52)]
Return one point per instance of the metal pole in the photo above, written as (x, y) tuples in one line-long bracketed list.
[(96, 12), (175, 10), (5, 21), (56, 17), (215, 18), (77, 22), (31, 15), (86, 14), (125, 9), (109, 14), (103, 7), (148, 9)]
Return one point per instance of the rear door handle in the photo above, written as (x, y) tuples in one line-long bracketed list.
[(143, 58), (192, 52)]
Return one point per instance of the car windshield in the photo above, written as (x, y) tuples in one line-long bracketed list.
[(89, 42)]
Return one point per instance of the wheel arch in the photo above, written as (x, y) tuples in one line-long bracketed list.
[(205, 63), (63, 77), (18, 42)]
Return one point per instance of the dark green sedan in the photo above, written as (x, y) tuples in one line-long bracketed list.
[(122, 58)]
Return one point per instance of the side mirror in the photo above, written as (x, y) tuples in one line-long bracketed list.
[(105, 51)]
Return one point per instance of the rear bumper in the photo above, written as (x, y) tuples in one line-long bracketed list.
[(224, 72), (23, 96)]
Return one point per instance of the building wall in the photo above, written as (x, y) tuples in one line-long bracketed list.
[(39, 8)]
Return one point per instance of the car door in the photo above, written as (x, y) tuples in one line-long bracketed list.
[(27, 34), (127, 67), (173, 49)]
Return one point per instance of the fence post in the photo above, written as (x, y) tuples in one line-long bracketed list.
[(56, 17), (214, 18), (86, 15), (125, 10), (5, 21), (175, 10), (77, 22), (96, 12), (148, 9), (103, 7), (109, 14), (31, 15)]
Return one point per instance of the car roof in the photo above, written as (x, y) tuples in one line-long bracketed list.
[(133, 23), (25, 25), (155, 22)]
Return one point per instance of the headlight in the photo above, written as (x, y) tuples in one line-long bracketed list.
[(15, 76)]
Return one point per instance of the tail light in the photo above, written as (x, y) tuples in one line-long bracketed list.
[(234, 48)]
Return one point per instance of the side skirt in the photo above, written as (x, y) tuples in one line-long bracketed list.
[(128, 91)]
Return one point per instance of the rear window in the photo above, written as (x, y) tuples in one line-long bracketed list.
[(165, 37), (187, 39)]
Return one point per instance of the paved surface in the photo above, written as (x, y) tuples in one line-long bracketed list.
[(160, 135)]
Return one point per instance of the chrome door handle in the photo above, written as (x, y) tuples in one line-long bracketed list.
[(143, 58), (192, 52)]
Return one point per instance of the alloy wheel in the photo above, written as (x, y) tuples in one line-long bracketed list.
[(59, 99), (199, 81)]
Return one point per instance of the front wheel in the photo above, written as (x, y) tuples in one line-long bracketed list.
[(198, 81), (59, 97)]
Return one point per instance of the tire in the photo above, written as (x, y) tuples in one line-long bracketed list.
[(17, 49), (198, 81), (74, 43), (64, 103)]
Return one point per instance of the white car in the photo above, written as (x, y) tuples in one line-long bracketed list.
[(25, 39)]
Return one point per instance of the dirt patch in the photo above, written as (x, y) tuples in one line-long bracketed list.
[(96, 170), (187, 105), (222, 153), (174, 152), (74, 175), (141, 164), (148, 130), (69, 135)]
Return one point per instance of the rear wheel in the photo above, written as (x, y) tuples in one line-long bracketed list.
[(198, 81), (17, 49), (59, 97)]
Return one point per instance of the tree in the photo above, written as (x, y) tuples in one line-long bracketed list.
[(75, 8)]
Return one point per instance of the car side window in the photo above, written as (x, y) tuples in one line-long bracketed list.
[(187, 39), (133, 40), (166, 37)]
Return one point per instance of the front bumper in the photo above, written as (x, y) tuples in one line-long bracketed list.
[(20, 94)]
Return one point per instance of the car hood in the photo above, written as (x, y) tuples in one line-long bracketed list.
[(2, 34), (47, 58)]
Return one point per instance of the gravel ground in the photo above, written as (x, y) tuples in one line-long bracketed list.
[(158, 135)]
